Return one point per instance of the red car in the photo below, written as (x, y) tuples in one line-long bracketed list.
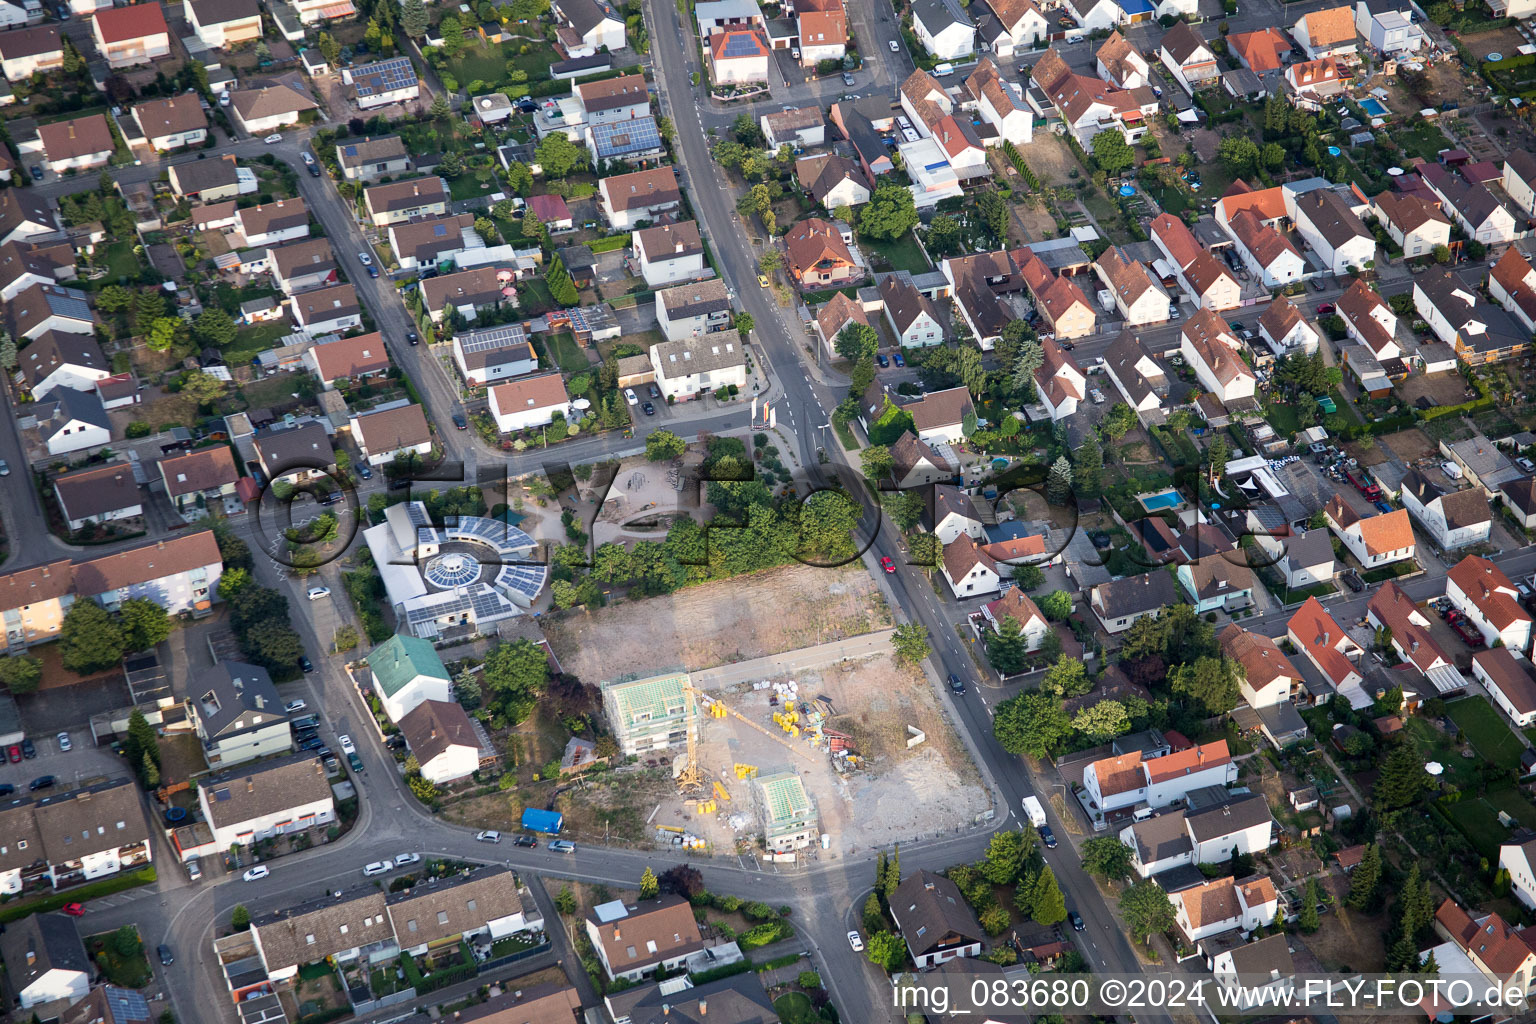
[(14, 753), (887, 564), (1325, 307), (74, 909)]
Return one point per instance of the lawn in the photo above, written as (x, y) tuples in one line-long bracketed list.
[(795, 1008), (488, 64), (253, 339), (564, 350), (473, 184), (1422, 139), (1478, 817), (1481, 724), (1287, 422), (1432, 745), (120, 263), (902, 254), (131, 971)]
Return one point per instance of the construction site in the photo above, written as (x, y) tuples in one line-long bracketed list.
[(850, 752)]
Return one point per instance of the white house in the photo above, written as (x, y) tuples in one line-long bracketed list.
[(262, 801), (1512, 284), (1519, 179), (1269, 678), (239, 716), (1059, 382), (954, 514), (382, 83), (443, 740), (1416, 224), (273, 223), (387, 434), (1327, 33), (738, 56), (26, 51), (910, 314), (1268, 254), (330, 310), (1212, 351), (45, 961), (1188, 58), (1260, 973), (494, 354), (1337, 656), (935, 921), (126, 36), (174, 123), (1094, 15), (1119, 603), (1481, 592), (1170, 777), (1375, 540), (691, 310), (690, 366), (350, 358), (1000, 103), (641, 195), (1286, 331), (407, 671), (1136, 375), (1220, 906), (798, 127), (1390, 27), (1115, 783), (669, 253), (1508, 681), (221, 24), (97, 494), (943, 28), (1010, 26), (632, 941), (1519, 859), (1139, 299), (294, 454), (79, 144), (1308, 559), (60, 359), (269, 108), (1239, 824), (590, 26), (1453, 518), (969, 571), (1120, 64), (1017, 605), (526, 402), (1159, 843), (72, 421), (1333, 231)]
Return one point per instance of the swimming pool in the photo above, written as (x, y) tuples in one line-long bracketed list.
[(1166, 499), (1373, 106)]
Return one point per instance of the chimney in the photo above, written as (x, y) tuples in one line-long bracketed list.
[(703, 1007), (31, 955), (250, 784)]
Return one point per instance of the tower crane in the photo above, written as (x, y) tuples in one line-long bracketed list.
[(690, 778)]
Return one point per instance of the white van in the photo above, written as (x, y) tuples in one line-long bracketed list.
[(943, 70)]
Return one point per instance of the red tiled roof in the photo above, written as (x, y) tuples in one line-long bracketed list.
[(1187, 762), (1489, 590), (119, 24), (1314, 629)]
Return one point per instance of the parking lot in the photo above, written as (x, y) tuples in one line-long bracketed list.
[(83, 761)]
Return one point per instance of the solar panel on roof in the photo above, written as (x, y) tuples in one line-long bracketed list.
[(627, 137), (499, 337), (385, 76), (741, 45), (125, 1004)]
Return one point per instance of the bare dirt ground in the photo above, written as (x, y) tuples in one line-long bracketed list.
[(899, 795), (1051, 160), (1440, 388), (718, 623), (1502, 40), (1033, 222), (1411, 445), (1347, 938)]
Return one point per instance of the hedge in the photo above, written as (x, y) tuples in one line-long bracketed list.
[(440, 978), (741, 966), (609, 244), (765, 934), (79, 894)]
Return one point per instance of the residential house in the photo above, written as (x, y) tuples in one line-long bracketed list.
[(81, 144), (1336, 235), (97, 495), (1135, 374), (401, 201), (934, 920), (527, 402), (613, 99), (92, 832), (126, 36), (382, 83), (1286, 331), (1481, 462), (1139, 299), (1391, 608), (1216, 584), (443, 740), (954, 514), (1204, 278), (692, 310), (196, 478), (424, 243), (348, 358), (738, 56), (1331, 650), (1119, 603), (1412, 221), (33, 602), (1519, 178), (691, 366), (925, 101), (1374, 540), (1312, 83), (384, 435), (833, 181), (268, 108), (1477, 330), (24, 264), (1159, 843), (797, 127), (328, 310), (1059, 382), (941, 415), (999, 102), (1240, 824), (493, 354), (822, 30), (633, 941), (911, 314), (60, 359), (969, 570), (1327, 33), (1512, 284), (294, 454), (1453, 518), (669, 253), (1120, 64), (172, 123), (1089, 105), (273, 223), (589, 27), (934, 178), (466, 292), (819, 257), (45, 961), (1220, 906), (109, 1004), (867, 144), (640, 196), (1213, 352), (1058, 299), (72, 421), (239, 716), (370, 158), (1269, 678), (210, 181), (260, 802), (1016, 605), (1509, 682), (1258, 973), (1094, 15), (345, 930), (1519, 496), (479, 904), (1267, 253), (25, 52), (1189, 58), (1007, 27), (1369, 320), (406, 672), (739, 998), (1482, 593), (1519, 859), (1115, 783), (915, 464), (943, 29), (1308, 560), (1471, 204), (222, 24), (1389, 27), (1503, 954)]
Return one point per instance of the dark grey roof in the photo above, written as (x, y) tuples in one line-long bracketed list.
[(196, 176), (1465, 508), (1334, 220), (1282, 719), (1267, 958), (52, 942), (932, 912), (1136, 594), (237, 697), (1521, 493), (302, 447), (53, 349), (936, 15), (585, 15), (68, 404), (1450, 295), (739, 999), (1161, 837), (1311, 548), (1237, 814)]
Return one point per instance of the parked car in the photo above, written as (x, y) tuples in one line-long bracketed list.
[(7, 788), (273, 138), (258, 872), (5, 468), (13, 753), (880, 358), (856, 941), (365, 259), (460, 420), (898, 359), (305, 665), (488, 836), (631, 397), (373, 271), (64, 745), (563, 846), (41, 782), (525, 841), (347, 746), (365, 471), (378, 867), (1324, 308), (356, 764), (311, 743), (74, 909), (412, 338), (166, 956), (28, 749), (316, 593), (653, 391), (402, 859), (293, 707), (1048, 837), (1354, 582)]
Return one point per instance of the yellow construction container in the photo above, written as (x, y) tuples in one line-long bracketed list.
[(720, 791), (746, 771)]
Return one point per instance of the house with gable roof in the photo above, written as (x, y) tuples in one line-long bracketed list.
[(1058, 299), (943, 28), (1390, 607), (1477, 330), (940, 415), (1120, 64), (835, 316), (1172, 776), (1222, 905), (969, 570), (1480, 591), (1216, 584), (1139, 299), (832, 180), (196, 478), (1115, 783), (934, 919), (1518, 858), (406, 671), (1453, 518), (1212, 350), (1503, 954), (1059, 382), (1189, 58), (1509, 683), (1017, 605), (1009, 26), (819, 257), (1326, 222), (126, 36), (589, 26), (268, 108), (953, 514), (1269, 678), (1136, 375), (1330, 649), (1415, 223), (1327, 33), (910, 314), (1512, 284), (915, 464), (1519, 179), (632, 941), (1120, 603), (1286, 331), (1307, 559), (45, 961), (1472, 205), (1000, 103), (1374, 540)]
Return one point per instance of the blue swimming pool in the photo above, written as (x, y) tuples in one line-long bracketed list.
[(1373, 106), (1167, 499)]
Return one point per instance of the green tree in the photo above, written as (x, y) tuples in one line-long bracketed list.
[(1146, 910), (1007, 647), (1107, 857), (565, 901), (892, 873), (886, 950), (944, 235), (770, 260), (1030, 358), (162, 333), (1365, 880), (664, 446), (1212, 683), (856, 342), (1307, 917), (649, 887), (1048, 907), (1066, 678), (330, 49), (1088, 468), (1216, 457), (1056, 605), (559, 156), (516, 674), (439, 110), (20, 673), (1103, 721), (874, 917), (114, 299), (1120, 421), (1442, 254), (744, 324), (1006, 853), (876, 461), (414, 20), (7, 351), (74, 63), (1415, 904), (1058, 485), (519, 178), (910, 641), (149, 772), (1030, 723), (972, 374), (145, 624), (993, 211), (89, 640), (1112, 153), (1238, 154), (1401, 781), (240, 918), (890, 212)]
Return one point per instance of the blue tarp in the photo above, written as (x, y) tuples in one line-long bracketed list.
[(536, 820)]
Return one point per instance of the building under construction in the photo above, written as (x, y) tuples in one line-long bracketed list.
[(787, 813), (650, 714)]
